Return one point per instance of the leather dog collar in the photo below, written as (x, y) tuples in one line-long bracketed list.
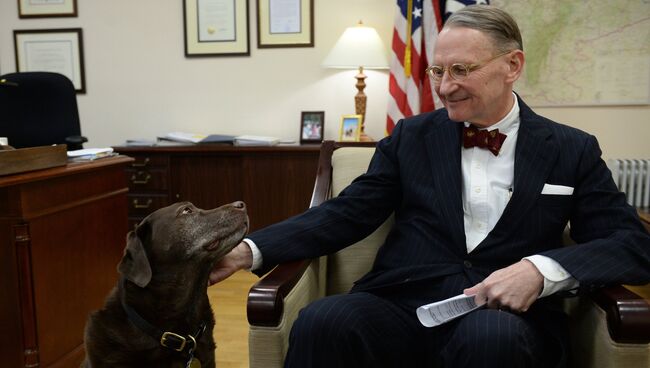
[(180, 343)]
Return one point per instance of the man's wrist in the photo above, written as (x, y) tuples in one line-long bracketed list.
[(556, 278), (245, 258), (541, 280)]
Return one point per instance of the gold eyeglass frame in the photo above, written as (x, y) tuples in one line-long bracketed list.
[(468, 68)]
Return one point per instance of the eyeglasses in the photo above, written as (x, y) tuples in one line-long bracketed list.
[(458, 71)]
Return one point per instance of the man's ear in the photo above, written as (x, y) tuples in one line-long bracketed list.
[(516, 65), (134, 265)]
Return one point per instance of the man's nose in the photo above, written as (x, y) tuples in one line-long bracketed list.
[(447, 84)]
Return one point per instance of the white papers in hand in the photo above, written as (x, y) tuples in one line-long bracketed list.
[(434, 314)]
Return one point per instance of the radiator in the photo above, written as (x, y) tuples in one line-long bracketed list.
[(632, 176)]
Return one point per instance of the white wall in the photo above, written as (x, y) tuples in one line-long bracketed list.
[(140, 84)]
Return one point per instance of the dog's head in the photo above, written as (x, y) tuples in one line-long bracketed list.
[(181, 240)]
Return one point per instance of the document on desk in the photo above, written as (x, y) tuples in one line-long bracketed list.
[(435, 314), (255, 140), (90, 154)]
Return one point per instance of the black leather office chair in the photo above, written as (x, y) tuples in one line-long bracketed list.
[(39, 109)]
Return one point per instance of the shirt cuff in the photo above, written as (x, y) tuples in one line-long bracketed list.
[(257, 255), (556, 278)]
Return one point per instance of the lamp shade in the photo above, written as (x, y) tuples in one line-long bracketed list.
[(358, 46)]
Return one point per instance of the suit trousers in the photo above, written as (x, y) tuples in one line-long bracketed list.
[(367, 329)]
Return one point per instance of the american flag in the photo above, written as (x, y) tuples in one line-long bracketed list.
[(417, 23)]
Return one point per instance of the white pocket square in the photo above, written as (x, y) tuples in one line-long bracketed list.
[(553, 189)]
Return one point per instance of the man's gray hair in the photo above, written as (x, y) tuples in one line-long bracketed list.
[(494, 22)]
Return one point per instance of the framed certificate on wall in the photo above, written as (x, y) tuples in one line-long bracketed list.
[(51, 50), (216, 27), (285, 23), (47, 8)]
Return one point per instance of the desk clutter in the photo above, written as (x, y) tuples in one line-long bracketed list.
[(183, 138), (90, 154)]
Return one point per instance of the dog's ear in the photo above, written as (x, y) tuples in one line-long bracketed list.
[(134, 265)]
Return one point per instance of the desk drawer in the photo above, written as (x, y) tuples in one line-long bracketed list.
[(146, 161), (152, 178), (140, 205)]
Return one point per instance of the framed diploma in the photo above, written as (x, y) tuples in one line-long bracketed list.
[(216, 27), (51, 50), (47, 8), (285, 23)]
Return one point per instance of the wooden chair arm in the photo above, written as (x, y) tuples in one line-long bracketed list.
[(628, 314), (266, 298), (265, 304)]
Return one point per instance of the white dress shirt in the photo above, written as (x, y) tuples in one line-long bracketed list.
[(487, 186)]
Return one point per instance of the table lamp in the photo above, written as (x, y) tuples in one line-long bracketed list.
[(358, 47)]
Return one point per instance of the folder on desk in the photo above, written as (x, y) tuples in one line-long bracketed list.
[(218, 138), (194, 138)]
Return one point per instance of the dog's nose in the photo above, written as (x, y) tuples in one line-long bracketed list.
[(239, 205)]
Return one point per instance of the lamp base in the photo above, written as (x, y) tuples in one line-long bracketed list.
[(360, 104), (365, 138)]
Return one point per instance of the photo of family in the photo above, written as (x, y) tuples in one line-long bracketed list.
[(311, 126)]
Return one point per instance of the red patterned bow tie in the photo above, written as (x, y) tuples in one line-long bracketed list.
[(492, 140)]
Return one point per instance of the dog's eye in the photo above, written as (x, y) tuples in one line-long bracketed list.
[(186, 211)]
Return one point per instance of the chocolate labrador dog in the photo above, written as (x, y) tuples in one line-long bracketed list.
[(159, 314)]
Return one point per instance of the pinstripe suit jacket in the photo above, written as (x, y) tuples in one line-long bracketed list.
[(416, 173)]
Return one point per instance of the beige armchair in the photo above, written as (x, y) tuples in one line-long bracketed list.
[(609, 329)]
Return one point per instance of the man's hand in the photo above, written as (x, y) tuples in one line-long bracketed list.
[(240, 258), (515, 287)]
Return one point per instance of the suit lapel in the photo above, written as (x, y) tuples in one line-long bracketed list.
[(445, 160), (535, 155)]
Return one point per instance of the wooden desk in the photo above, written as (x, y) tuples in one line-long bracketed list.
[(62, 233), (275, 182)]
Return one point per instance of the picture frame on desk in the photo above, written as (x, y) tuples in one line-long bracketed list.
[(312, 125), (285, 23), (350, 128), (216, 28), (47, 8), (52, 50)]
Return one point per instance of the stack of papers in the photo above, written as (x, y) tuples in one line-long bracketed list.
[(184, 137), (90, 154), (240, 140), (255, 140)]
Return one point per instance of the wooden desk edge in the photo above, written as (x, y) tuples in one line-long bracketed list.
[(68, 169), (222, 148)]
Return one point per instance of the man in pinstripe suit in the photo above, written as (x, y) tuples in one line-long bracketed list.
[(486, 221)]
